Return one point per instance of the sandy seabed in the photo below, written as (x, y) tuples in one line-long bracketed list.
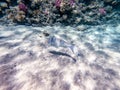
[(67, 59)]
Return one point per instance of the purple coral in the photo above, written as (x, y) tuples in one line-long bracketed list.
[(57, 3), (72, 2), (22, 7), (102, 11)]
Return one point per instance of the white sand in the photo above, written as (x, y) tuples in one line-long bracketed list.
[(27, 64)]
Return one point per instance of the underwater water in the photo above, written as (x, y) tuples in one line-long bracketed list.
[(60, 58)]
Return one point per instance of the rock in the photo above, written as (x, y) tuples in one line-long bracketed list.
[(20, 17), (3, 5), (108, 1), (90, 21), (46, 33), (78, 20), (34, 20), (116, 4), (94, 6), (81, 27), (91, 13), (37, 1), (65, 7), (21, 13), (76, 11), (0, 9), (0, 12), (109, 8), (11, 16), (8, 0), (64, 17)]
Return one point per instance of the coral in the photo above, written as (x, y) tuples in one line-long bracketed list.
[(57, 3), (22, 7), (62, 11), (3, 5), (20, 17), (72, 2), (102, 11), (64, 5)]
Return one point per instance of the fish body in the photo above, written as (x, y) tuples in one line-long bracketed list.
[(63, 54), (59, 42)]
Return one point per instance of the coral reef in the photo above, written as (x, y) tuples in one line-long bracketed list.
[(67, 12)]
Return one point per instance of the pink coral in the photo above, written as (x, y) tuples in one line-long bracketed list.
[(102, 11), (72, 2), (22, 7), (57, 3)]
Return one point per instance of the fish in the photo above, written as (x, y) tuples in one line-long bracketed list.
[(58, 42), (63, 54)]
